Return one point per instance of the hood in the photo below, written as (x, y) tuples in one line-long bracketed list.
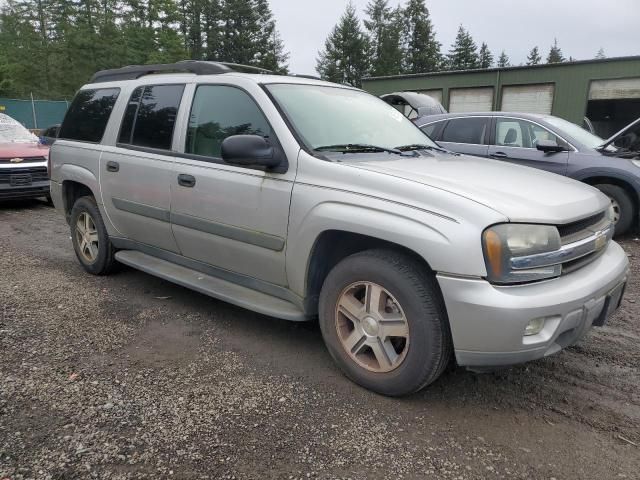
[(629, 144), (22, 150), (520, 193)]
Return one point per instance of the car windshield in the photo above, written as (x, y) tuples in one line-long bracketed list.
[(328, 118), (580, 134), (13, 132)]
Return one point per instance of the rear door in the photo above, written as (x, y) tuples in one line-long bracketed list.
[(135, 173), (469, 135), (515, 142)]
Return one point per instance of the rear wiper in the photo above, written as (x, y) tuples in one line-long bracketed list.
[(357, 148), (419, 146)]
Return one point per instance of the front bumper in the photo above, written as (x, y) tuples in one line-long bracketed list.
[(35, 189), (488, 321)]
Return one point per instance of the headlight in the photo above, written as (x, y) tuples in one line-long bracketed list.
[(636, 163), (502, 243), (611, 214)]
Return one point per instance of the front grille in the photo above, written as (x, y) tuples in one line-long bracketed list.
[(580, 230), (37, 174), (586, 224), (24, 159)]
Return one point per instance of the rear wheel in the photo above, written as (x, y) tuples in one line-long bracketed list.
[(384, 323), (622, 206), (90, 239)]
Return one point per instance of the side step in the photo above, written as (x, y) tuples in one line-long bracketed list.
[(212, 286)]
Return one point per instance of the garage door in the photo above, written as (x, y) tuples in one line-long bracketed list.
[(528, 99), (471, 100), (615, 89), (435, 94)]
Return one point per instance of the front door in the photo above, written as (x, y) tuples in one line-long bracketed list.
[(230, 217), (515, 142), (468, 135), (135, 174)]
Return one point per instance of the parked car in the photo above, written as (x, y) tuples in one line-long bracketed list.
[(49, 135), (23, 162), (413, 104), (298, 198), (548, 143)]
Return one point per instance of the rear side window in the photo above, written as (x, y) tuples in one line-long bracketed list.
[(88, 115), (218, 112), (472, 130), (150, 116), (432, 130)]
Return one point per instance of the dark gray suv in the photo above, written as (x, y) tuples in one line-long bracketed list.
[(552, 144)]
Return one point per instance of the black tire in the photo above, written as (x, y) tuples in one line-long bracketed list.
[(627, 209), (105, 261), (429, 348)]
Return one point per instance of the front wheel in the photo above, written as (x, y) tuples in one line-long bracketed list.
[(90, 239), (384, 323), (622, 206)]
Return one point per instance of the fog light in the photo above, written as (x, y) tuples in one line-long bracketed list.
[(534, 327)]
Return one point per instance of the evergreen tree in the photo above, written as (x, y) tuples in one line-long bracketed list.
[(504, 61), (421, 50), (534, 57), (344, 58), (600, 55), (270, 52), (555, 54), (464, 52), (485, 57), (383, 28)]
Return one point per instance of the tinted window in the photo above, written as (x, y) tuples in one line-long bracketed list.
[(217, 113), (466, 130), (432, 129), (88, 115), (151, 116)]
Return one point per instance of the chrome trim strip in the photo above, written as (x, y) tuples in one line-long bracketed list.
[(567, 253)]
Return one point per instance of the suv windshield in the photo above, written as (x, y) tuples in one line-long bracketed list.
[(327, 117), (580, 134), (13, 132)]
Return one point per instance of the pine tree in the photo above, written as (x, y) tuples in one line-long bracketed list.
[(270, 52), (555, 54), (464, 52), (504, 60), (421, 50), (383, 29), (601, 55), (534, 57), (485, 57), (344, 58)]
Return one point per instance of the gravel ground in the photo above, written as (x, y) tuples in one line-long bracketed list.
[(129, 376)]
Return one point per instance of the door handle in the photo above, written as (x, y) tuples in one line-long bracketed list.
[(498, 155), (113, 166), (186, 180)]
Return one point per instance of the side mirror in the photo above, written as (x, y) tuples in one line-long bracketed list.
[(249, 150), (549, 146)]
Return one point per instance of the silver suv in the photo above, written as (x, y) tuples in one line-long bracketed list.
[(298, 199)]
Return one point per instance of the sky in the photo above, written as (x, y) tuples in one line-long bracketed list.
[(582, 27)]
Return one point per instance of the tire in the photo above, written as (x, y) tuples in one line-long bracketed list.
[(623, 203), (409, 292), (98, 257)]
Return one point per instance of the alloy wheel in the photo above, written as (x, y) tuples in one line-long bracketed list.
[(87, 237)]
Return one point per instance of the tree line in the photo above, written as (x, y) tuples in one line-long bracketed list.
[(51, 47), (402, 40)]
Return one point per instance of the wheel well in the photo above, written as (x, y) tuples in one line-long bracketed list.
[(333, 246), (71, 191), (617, 182)]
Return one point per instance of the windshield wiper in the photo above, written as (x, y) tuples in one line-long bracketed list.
[(419, 146), (357, 148)]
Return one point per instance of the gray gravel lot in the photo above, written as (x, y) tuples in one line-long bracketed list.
[(129, 376)]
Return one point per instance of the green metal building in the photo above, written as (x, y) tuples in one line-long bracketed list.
[(606, 92)]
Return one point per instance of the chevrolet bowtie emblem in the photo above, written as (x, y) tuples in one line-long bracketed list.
[(16, 160)]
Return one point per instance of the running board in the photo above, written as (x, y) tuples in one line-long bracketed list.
[(212, 286)]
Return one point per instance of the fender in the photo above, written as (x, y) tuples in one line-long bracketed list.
[(622, 175), (430, 236), (75, 173)]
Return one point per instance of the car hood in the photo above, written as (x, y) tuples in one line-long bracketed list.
[(23, 150), (520, 193), (633, 127)]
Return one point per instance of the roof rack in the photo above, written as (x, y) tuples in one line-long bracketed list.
[(198, 67)]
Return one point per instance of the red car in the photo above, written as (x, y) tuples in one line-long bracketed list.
[(23, 162)]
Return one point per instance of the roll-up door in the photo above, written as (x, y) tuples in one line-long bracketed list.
[(471, 100), (615, 89), (528, 98)]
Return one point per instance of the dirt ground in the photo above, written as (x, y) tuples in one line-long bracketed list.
[(129, 376)]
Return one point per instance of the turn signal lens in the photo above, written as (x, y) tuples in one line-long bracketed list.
[(493, 250)]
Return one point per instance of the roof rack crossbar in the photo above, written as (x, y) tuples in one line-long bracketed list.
[(198, 67)]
